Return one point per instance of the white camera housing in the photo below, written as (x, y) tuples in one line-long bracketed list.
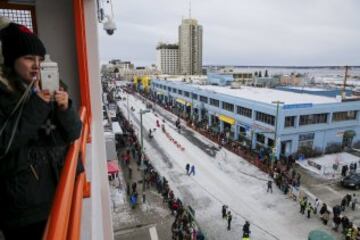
[(49, 74), (109, 26)]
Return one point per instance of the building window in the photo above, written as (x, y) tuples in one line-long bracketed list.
[(260, 138), (306, 140), (180, 92), (203, 99), (169, 89), (194, 96), (174, 90), (242, 131), (270, 142), (265, 118), (214, 102), (21, 14), (344, 116), (247, 112), (313, 119), (187, 94), (290, 121), (228, 106)]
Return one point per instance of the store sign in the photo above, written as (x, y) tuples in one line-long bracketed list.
[(295, 106), (262, 128), (340, 134), (306, 136)]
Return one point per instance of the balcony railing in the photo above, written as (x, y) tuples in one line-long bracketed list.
[(65, 216)]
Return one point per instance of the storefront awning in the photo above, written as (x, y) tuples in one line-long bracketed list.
[(349, 134), (183, 102), (227, 119)]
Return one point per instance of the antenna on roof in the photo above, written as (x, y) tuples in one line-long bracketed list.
[(189, 9)]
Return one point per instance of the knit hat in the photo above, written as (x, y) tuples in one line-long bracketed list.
[(17, 41)]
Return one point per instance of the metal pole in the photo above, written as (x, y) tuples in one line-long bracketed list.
[(276, 128), (192, 108), (127, 107), (142, 152), (276, 123)]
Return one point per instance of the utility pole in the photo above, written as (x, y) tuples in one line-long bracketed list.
[(142, 167), (127, 106), (343, 92), (276, 128)]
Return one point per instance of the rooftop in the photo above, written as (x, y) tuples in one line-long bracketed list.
[(167, 46), (266, 95)]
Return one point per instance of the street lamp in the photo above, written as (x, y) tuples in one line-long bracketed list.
[(127, 106), (142, 167), (276, 127)]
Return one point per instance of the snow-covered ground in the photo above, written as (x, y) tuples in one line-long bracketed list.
[(221, 178), (323, 166)]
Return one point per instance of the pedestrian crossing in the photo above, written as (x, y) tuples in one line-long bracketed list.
[(153, 233)]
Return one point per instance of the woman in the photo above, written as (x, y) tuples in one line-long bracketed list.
[(36, 127)]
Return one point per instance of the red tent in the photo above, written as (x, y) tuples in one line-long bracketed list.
[(112, 167)]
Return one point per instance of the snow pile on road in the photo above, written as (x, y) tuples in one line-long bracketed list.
[(325, 166)]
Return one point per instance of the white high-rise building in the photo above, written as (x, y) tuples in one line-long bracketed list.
[(167, 58), (190, 47)]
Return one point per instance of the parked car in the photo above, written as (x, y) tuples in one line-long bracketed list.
[(351, 181)]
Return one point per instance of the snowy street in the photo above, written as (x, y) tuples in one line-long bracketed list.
[(221, 177)]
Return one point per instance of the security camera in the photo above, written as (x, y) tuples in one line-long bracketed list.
[(109, 26)]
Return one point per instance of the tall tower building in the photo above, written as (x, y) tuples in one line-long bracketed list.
[(167, 58), (190, 47)]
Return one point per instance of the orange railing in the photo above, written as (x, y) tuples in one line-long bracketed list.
[(82, 57), (65, 216)]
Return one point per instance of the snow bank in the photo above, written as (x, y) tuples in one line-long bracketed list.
[(324, 166)]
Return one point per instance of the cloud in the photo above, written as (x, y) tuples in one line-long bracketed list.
[(241, 32)]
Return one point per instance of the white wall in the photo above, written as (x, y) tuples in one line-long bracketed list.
[(55, 21), (101, 214)]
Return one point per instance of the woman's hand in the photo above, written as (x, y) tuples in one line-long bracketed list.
[(62, 99), (43, 94)]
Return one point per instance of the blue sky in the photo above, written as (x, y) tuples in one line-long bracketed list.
[(241, 32)]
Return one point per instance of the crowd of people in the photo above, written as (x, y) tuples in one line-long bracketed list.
[(183, 227), (350, 231), (351, 169)]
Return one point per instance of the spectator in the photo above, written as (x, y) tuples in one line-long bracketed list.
[(325, 217), (354, 202), (269, 186), (348, 199), (337, 221), (192, 170), (323, 209), (316, 205), (35, 133), (229, 219)]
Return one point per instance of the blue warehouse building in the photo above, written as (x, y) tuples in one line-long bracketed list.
[(248, 114)]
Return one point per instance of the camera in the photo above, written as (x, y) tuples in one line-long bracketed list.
[(109, 26), (49, 74)]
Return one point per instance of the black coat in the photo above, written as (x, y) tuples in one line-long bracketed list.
[(246, 228), (29, 172)]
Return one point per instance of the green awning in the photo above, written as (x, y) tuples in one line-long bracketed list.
[(349, 133)]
